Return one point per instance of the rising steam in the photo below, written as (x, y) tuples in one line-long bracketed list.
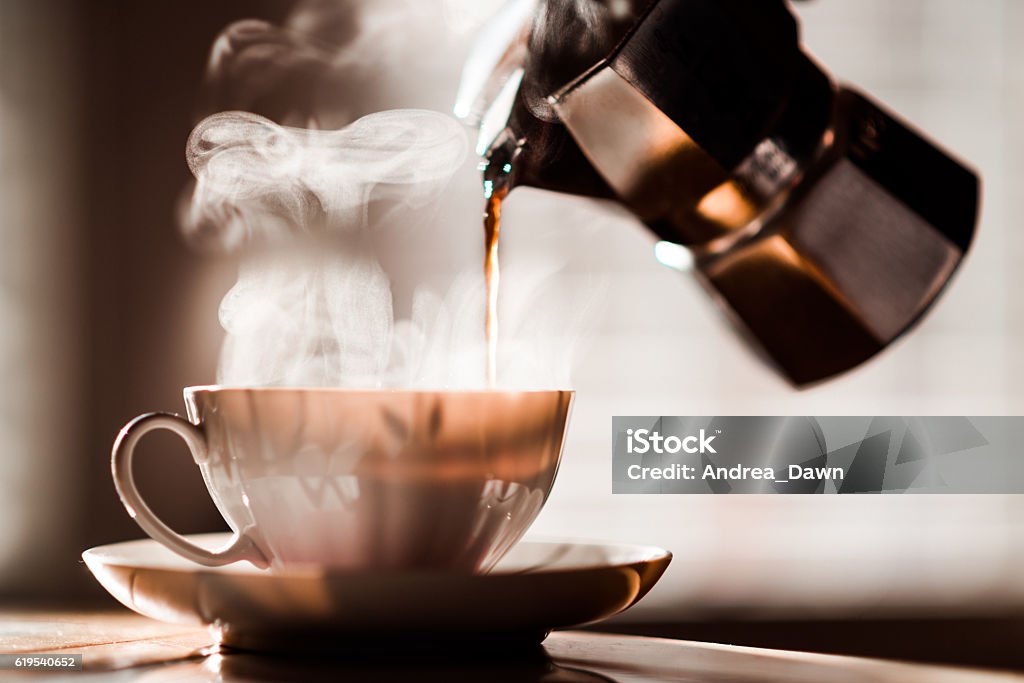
[(304, 209), (312, 305), (260, 182)]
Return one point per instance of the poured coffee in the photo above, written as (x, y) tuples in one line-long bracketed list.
[(492, 273), (499, 175)]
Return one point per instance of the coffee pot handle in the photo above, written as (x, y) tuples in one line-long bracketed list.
[(241, 546)]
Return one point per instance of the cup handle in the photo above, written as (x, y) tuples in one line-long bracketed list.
[(241, 546)]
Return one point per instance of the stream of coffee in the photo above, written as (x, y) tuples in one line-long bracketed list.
[(492, 273)]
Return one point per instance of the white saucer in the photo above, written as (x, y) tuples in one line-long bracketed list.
[(537, 587)]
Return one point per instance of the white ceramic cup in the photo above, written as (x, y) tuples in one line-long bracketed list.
[(354, 479)]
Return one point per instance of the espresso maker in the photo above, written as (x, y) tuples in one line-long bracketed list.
[(821, 222)]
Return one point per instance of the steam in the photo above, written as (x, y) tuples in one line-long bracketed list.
[(312, 305), (260, 182), (304, 68), (314, 216)]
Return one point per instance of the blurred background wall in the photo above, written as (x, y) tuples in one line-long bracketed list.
[(104, 313)]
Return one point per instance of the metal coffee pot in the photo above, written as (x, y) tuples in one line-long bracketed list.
[(823, 223)]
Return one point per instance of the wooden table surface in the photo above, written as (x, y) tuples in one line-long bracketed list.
[(121, 646)]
